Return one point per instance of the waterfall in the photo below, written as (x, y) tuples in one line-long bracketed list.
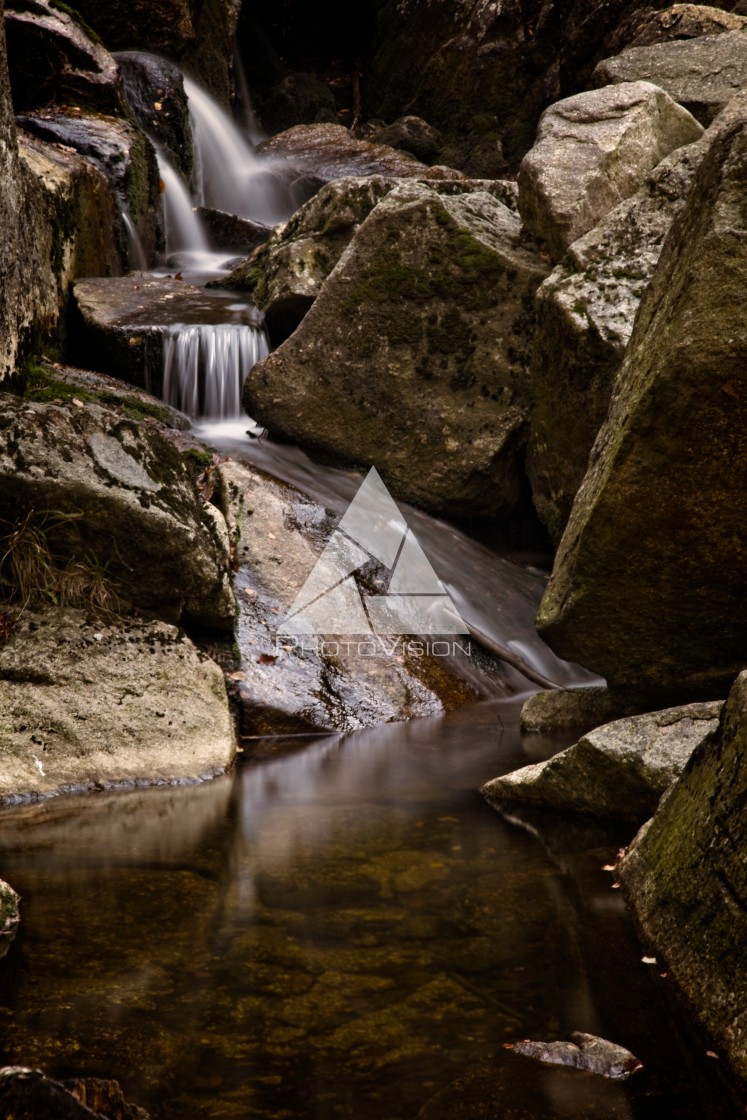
[(184, 229), (136, 250), (228, 175), (205, 366)]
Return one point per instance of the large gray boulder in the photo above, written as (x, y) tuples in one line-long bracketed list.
[(286, 275), (414, 356), (87, 703), (119, 500), (585, 314), (618, 770), (653, 546), (685, 877), (684, 21), (702, 74), (592, 151), (288, 684)]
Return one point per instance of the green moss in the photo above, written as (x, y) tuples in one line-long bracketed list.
[(451, 334), (61, 6)]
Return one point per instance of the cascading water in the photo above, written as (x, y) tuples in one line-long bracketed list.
[(228, 174), (205, 366), (184, 230), (137, 252)]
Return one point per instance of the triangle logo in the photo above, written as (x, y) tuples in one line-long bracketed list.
[(374, 534)]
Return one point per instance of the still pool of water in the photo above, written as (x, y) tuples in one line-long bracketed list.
[(346, 931)]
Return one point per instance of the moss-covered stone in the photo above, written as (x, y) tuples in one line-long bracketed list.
[(686, 879), (649, 586), (415, 355)]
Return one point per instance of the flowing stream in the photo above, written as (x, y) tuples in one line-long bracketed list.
[(348, 930), (343, 932)]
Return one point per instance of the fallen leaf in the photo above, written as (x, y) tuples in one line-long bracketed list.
[(266, 659), (649, 960), (77, 403), (250, 593), (157, 105), (608, 867), (237, 676), (710, 1054)]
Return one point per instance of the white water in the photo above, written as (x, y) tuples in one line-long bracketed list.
[(205, 366), (137, 252), (184, 230), (228, 175)]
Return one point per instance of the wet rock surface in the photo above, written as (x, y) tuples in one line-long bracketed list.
[(685, 879), (27, 1094), (155, 94), (52, 58), (619, 770), (291, 684), (399, 382), (592, 151), (585, 1052), (121, 152), (88, 703), (571, 709), (702, 74), (665, 474), (330, 151), (129, 502)]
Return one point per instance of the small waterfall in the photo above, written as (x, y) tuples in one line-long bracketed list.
[(244, 98), (184, 231), (228, 175), (205, 366), (136, 251)]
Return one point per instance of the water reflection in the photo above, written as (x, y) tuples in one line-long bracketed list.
[(348, 931)]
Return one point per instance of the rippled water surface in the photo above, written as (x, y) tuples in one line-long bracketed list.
[(348, 931)]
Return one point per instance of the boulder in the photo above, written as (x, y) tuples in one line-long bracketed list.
[(121, 152), (9, 916), (570, 709), (592, 151), (227, 233), (702, 74), (684, 21), (686, 880), (53, 58), (114, 506), (297, 99), (289, 684), (410, 134), (89, 702), (585, 314), (322, 152), (155, 93), (287, 274), (652, 546), (618, 770), (414, 356), (27, 1094), (587, 1052)]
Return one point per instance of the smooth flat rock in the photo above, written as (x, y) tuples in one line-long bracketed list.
[(586, 1052), (702, 74), (302, 684), (685, 878), (618, 770), (592, 151), (87, 703)]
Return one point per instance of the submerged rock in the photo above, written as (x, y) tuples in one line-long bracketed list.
[(586, 1052), (125, 504), (28, 1094), (330, 151), (414, 356), (9, 916), (653, 546), (618, 770), (121, 152), (87, 703), (52, 58), (702, 74), (291, 684), (592, 151), (686, 880)]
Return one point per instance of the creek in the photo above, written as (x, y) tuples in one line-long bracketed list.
[(347, 929)]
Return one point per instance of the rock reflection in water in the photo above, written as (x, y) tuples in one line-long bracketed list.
[(348, 931)]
